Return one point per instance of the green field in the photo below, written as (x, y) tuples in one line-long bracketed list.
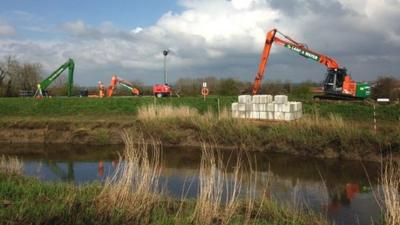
[(127, 106)]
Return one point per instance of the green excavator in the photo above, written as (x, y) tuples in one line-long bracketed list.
[(42, 86)]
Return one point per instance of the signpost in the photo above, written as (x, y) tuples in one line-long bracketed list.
[(204, 90)]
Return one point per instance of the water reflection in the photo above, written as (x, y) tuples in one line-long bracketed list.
[(336, 188)]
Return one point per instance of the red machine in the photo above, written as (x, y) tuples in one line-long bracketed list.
[(117, 80), (337, 84), (162, 90)]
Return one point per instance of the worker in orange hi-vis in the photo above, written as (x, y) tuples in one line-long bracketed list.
[(101, 89)]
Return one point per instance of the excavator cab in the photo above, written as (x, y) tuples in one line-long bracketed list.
[(333, 83)]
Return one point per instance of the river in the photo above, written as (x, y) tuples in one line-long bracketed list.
[(340, 190)]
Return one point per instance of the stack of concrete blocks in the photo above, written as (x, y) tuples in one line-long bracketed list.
[(266, 107)]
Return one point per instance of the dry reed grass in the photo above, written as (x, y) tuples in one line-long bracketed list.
[(218, 198), (150, 112), (134, 187), (11, 165), (390, 184)]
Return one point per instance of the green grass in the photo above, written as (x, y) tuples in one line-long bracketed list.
[(26, 200), (128, 106)]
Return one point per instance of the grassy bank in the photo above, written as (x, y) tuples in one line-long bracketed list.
[(133, 196), (327, 130), (93, 108)]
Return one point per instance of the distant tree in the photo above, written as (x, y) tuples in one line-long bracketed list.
[(229, 87), (15, 76), (386, 87)]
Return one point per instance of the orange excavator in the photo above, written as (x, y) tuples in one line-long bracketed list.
[(337, 84), (124, 83)]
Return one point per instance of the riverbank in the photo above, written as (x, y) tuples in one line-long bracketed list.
[(319, 134)]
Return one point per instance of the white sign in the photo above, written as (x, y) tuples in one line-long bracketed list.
[(204, 84)]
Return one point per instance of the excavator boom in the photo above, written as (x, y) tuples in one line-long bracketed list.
[(291, 44), (70, 65), (117, 80)]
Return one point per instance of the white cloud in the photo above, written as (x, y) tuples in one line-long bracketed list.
[(6, 29), (226, 38)]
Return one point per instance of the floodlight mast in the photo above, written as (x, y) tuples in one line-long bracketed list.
[(165, 53)]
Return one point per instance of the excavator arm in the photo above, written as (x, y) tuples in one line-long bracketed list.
[(42, 86), (291, 44), (117, 80)]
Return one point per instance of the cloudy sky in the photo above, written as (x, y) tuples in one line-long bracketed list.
[(223, 38)]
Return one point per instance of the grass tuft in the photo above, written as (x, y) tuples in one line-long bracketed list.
[(11, 165)]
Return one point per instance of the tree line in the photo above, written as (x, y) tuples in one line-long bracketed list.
[(16, 76)]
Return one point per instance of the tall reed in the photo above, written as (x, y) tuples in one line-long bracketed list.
[(134, 187), (390, 184), (153, 111), (11, 165), (218, 198)]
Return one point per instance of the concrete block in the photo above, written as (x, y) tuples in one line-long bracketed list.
[(255, 107), (256, 99), (290, 116), (244, 99), (278, 107), (249, 107), (242, 107), (266, 98), (286, 108), (263, 115), (281, 99), (255, 115), (248, 115), (235, 106), (297, 106), (270, 115), (279, 115), (235, 114), (270, 107), (262, 107), (242, 115)]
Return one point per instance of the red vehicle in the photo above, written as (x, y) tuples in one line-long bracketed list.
[(162, 90)]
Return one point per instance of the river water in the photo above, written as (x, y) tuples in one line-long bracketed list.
[(340, 190)]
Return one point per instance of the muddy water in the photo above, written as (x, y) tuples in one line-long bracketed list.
[(340, 190)]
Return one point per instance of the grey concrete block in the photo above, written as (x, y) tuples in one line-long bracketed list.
[(235, 106), (248, 114), (255, 115), (249, 107), (235, 114), (278, 107), (242, 107), (262, 107), (266, 98), (270, 115), (270, 107), (263, 115), (255, 107), (244, 99), (281, 99), (256, 99), (242, 114), (279, 115)]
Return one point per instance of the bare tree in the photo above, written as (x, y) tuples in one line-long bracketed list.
[(15, 76)]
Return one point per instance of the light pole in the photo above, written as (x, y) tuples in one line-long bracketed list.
[(165, 53)]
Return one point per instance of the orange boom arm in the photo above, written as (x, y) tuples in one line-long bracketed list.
[(289, 43)]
